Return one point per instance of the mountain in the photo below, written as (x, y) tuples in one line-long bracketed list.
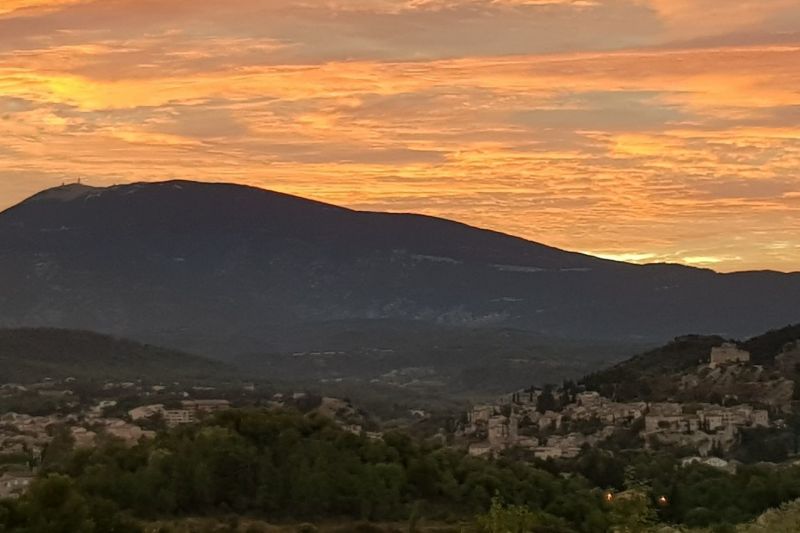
[(36, 353), (222, 269)]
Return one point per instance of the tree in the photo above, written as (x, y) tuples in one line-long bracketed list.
[(507, 518), (53, 505), (631, 512), (546, 401), (59, 449)]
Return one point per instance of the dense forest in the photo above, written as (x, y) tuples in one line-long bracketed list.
[(283, 467)]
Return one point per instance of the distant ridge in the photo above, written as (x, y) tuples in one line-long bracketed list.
[(219, 268), (31, 354)]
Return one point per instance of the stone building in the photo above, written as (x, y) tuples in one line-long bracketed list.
[(12, 485), (788, 361), (728, 353), (503, 431)]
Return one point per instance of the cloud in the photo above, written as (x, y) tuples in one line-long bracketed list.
[(34, 7), (690, 18), (623, 127)]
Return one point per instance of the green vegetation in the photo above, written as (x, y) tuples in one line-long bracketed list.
[(764, 348), (639, 378), (282, 467), (695, 495), (286, 467)]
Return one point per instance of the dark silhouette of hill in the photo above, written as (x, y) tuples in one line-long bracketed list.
[(637, 377), (33, 354), (221, 269)]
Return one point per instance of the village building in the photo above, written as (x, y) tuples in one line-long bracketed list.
[(728, 353), (592, 418), (502, 431), (550, 420), (547, 452), (146, 411), (188, 413), (527, 443), (569, 445), (480, 414), (207, 406), (129, 433), (788, 361), (176, 417), (480, 449), (12, 485), (589, 399), (82, 437)]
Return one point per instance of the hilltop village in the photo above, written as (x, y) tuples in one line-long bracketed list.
[(38, 421), (555, 423)]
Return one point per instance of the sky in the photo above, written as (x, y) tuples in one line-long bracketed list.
[(640, 130)]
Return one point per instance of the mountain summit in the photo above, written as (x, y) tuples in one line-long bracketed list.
[(185, 262)]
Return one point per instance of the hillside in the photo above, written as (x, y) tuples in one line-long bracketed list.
[(32, 354), (677, 371), (222, 269)]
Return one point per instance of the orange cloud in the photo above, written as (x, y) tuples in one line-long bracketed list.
[(31, 7), (642, 153), (690, 18)]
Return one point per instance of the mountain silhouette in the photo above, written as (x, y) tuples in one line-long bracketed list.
[(221, 267)]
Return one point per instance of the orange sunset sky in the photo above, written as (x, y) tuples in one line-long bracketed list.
[(643, 130)]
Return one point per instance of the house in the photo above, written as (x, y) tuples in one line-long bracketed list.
[(527, 443), (570, 445), (480, 413), (550, 420), (12, 485), (728, 353), (671, 423), (83, 438), (355, 429), (714, 462), (175, 417), (714, 421), (146, 411), (589, 399), (503, 431), (760, 418), (128, 432), (547, 452), (480, 449), (209, 406)]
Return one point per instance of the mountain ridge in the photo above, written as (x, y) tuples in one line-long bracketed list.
[(74, 191), (187, 260), (32, 354)]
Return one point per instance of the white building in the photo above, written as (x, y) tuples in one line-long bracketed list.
[(175, 417)]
